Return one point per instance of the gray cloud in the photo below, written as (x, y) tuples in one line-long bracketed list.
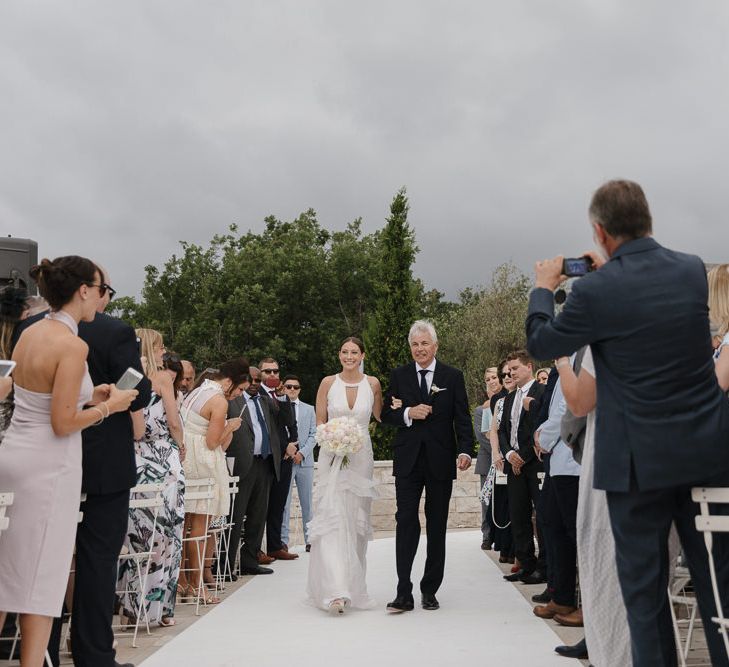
[(128, 126)]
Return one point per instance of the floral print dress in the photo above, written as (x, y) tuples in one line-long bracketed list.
[(158, 461)]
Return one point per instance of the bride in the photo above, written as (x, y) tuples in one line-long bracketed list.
[(341, 526)]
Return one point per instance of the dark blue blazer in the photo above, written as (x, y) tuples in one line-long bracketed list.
[(659, 405)]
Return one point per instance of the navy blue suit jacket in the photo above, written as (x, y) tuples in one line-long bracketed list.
[(659, 407)]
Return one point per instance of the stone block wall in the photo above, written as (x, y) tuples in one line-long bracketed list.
[(465, 507)]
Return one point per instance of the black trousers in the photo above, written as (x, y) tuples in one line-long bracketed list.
[(543, 519), (249, 513), (562, 538), (408, 491), (523, 492), (276, 506), (641, 521), (99, 540)]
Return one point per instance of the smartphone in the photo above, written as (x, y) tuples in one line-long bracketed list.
[(129, 380), (6, 368), (573, 267)]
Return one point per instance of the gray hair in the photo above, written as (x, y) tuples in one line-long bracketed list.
[(422, 327)]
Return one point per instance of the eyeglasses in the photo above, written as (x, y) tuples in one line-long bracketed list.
[(273, 371), (292, 386), (103, 289), (507, 375)]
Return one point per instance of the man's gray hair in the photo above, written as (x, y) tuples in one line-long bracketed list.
[(422, 327)]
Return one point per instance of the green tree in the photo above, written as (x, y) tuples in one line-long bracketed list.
[(486, 325), (395, 304)]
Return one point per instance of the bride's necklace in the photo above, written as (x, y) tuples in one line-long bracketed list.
[(351, 385)]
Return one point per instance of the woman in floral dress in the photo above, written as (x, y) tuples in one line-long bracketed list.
[(160, 451)]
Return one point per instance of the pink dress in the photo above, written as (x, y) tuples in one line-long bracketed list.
[(43, 470)]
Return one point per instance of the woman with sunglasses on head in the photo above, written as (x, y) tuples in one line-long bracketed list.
[(208, 433), (503, 542), (159, 449), (40, 458)]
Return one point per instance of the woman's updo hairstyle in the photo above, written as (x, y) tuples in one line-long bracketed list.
[(58, 280), (236, 370), (355, 340)]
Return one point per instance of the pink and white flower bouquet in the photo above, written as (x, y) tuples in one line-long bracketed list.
[(341, 437)]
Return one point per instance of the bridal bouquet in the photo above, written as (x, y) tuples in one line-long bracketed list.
[(341, 437)]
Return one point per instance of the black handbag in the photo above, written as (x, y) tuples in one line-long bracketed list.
[(573, 429)]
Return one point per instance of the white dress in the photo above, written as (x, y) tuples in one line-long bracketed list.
[(606, 621), (341, 527)]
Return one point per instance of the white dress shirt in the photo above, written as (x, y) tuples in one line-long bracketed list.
[(257, 434), (428, 380), (517, 409)]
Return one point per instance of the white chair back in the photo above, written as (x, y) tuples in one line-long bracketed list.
[(708, 524)]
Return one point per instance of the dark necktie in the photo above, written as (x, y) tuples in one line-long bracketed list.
[(265, 440), (423, 385)]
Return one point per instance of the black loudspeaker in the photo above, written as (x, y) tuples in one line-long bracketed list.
[(16, 258)]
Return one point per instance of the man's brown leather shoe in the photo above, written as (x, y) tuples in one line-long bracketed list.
[(552, 609), (263, 559), (573, 620), (283, 555)]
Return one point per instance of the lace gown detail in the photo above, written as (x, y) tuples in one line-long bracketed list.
[(341, 527)]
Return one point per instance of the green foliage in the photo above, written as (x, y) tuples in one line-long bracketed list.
[(395, 305), (486, 325)]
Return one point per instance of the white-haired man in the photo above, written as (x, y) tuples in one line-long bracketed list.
[(434, 436)]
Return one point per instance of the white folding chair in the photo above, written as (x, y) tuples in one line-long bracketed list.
[(224, 542), (198, 490), (708, 524), (142, 496), (683, 599)]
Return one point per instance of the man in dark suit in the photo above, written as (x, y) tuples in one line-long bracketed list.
[(434, 427), (285, 420), (256, 451), (662, 421), (516, 441)]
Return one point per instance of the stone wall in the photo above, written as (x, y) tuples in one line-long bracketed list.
[(465, 508)]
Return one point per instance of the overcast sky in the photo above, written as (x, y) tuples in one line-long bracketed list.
[(128, 126)]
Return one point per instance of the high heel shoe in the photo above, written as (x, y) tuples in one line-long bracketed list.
[(336, 607)]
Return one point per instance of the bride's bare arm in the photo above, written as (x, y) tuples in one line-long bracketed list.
[(377, 391), (321, 399)]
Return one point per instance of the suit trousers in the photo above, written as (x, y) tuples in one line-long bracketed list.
[(523, 492), (641, 522), (276, 505), (304, 478), (562, 537), (408, 491), (544, 518), (248, 514), (99, 540)]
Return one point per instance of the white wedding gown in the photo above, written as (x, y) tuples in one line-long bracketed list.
[(341, 527)]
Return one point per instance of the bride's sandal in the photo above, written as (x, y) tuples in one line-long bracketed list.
[(336, 607)]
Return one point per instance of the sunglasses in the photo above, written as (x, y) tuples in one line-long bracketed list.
[(292, 386), (507, 375), (274, 371), (103, 289)]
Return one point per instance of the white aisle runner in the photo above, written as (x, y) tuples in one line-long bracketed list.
[(483, 620)]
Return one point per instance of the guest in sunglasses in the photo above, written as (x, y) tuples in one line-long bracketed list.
[(503, 541), (303, 461), (159, 448)]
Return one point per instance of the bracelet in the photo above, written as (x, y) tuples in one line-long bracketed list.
[(106, 405), (101, 415)]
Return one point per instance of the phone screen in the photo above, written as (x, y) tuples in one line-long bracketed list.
[(575, 266), (6, 368)]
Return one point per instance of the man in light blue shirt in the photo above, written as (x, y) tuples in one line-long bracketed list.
[(561, 510)]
